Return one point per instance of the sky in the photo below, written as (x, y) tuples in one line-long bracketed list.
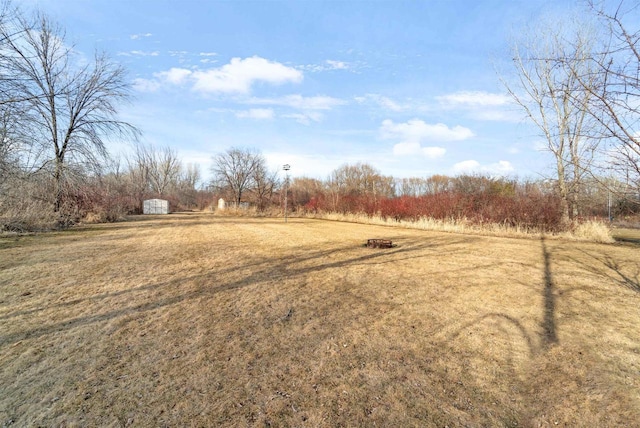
[(409, 87)]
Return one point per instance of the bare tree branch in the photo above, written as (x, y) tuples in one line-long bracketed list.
[(68, 110)]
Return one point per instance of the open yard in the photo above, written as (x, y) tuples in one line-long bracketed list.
[(197, 320)]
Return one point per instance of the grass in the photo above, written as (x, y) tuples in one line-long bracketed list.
[(589, 231), (199, 320), (628, 236)]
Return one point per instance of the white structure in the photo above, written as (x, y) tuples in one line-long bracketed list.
[(221, 204), (155, 206)]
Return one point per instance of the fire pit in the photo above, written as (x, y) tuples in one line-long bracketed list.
[(379, 243)]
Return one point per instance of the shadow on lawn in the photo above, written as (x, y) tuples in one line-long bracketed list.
[(262, 271), (625, 274), (548, 336)]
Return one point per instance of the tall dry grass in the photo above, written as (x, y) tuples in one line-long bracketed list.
[(589, 231), (25, 207)]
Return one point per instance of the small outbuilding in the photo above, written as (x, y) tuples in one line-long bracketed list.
[(155, 206)]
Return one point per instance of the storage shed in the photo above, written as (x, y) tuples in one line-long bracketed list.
[(155, 206)]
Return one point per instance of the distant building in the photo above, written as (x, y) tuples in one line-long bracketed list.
[(155, 206)]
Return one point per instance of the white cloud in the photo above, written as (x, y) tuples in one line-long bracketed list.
[(337, 65), (406, 148), (256, 113), (175, 76), (208, 57), (139, 36), (146, 85), (467, 166), (305, 118), (328, 65), (499, 168), (382, 101), (139, 53), (390, 104), (474, 99), (300, 102), (415, 131), (409, 148), (434, 152), (240, 74), (418, 130), (481, 105)]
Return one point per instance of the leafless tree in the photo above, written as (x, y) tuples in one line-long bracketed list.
[(265, 183), (190, 176), (304, 189), (236, 169), (164, 170), (138, 173), (362, 179), (416, 186), (157, 171), (69, 105), (548, 60), (615, 102)]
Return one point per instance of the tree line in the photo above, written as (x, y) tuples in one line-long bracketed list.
[(577, 80), (362, 189)]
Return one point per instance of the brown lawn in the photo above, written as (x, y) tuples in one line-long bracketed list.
[(197, 320)]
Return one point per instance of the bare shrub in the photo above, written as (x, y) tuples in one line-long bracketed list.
[(25, 206), (593, 231)]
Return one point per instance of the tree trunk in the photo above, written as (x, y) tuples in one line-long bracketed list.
[(562, 191), (58, 191)]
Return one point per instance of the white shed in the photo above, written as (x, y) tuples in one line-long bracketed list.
[(155, 206)]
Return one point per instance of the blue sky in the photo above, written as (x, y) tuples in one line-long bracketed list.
[(409, 87)]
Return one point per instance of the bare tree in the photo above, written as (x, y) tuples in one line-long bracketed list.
[(235, 169), (362, 179), (265, 183), (9, 144), (615, 102), (190, 176), (548, 61), (164, 170), (156, 171), (304, 189), (69, 109)]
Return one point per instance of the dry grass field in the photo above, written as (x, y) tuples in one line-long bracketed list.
[(197, 320)]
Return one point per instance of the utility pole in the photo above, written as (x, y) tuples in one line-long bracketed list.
[(286, 168)]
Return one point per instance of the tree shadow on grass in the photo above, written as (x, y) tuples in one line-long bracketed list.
[(262, 271), (625, 274), (548, 336)]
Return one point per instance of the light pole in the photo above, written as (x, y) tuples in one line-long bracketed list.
[(286, 168)]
